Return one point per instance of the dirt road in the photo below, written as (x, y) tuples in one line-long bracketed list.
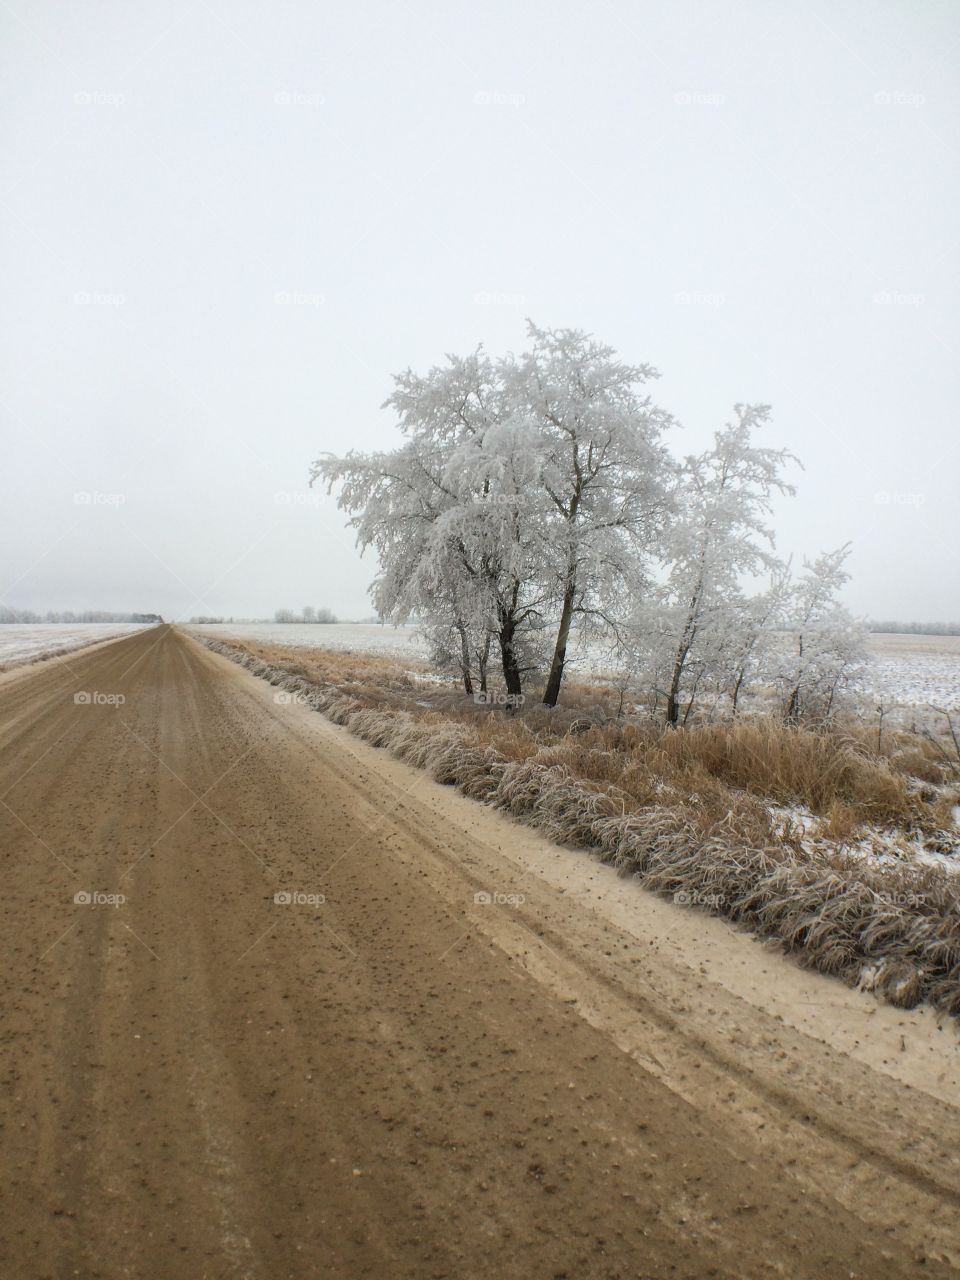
[(378, 1075)]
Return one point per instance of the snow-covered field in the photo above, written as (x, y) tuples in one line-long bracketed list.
[(361, 637), (22, 641), (906, 670), (914, 670)]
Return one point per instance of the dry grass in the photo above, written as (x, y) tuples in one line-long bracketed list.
[(839, 775), (790, 765), (685, 811)]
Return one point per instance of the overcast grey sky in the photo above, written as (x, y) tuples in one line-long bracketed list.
[(226, 223)]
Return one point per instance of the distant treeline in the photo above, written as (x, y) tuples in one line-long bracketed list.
[(917, 628), (309, 614), (68, 615)]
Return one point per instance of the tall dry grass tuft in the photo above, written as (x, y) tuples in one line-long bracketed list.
[(790, 765)]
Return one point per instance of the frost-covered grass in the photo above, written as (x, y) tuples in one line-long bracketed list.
[(768, 825), (23, 642)]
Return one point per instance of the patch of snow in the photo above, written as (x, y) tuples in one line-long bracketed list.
[(19, 641), (883, 848)]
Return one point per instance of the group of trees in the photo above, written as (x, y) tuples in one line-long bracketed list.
[(309, 614), (533, 509)]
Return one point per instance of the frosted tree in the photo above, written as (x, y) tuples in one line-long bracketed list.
[(396, 499), (603, 472), (827, 644), (458, 644), (534, 494), (452, 515), (502, 532), (757, 619), (720, 535)]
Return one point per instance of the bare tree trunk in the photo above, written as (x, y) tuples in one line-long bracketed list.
[(552, 692), (511, 667), (693, 698), (793, 705), (483, 657), (687, 637), (736, 689), (738, 684), (833, 693), (465, 659), (673, 692)]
